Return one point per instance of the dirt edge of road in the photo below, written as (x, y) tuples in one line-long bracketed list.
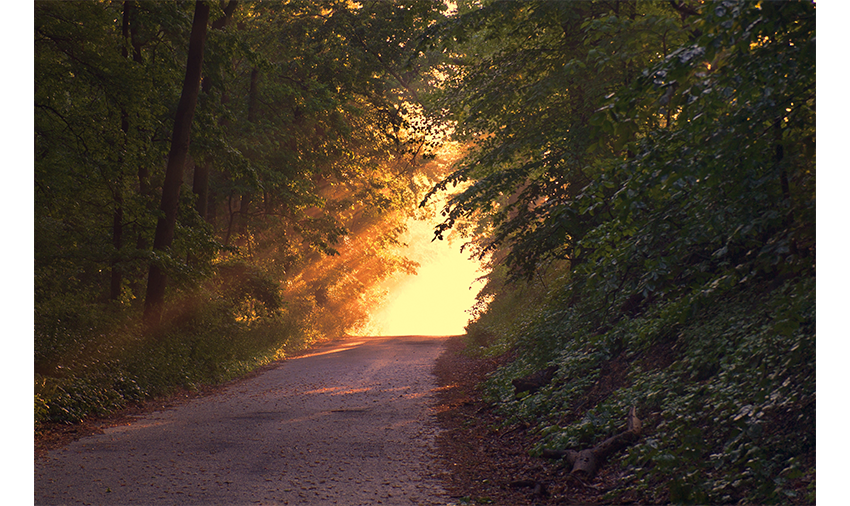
[(479, 463), (484, 461)]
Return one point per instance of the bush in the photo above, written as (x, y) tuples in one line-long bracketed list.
[(205, 340), (728, 393)]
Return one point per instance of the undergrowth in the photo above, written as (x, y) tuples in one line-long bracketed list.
[(723, 377), (94, 362)]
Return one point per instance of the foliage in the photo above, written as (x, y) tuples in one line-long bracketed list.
[(640, 174), (305, 148), (645, 181), (726, 190), (207, 344), (526, 104), (727, 394)]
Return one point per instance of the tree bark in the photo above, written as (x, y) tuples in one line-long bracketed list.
[(201, 181), (116, 276), (155, 296), (253, 95), (244, 208), (533, 382), (201, 188)]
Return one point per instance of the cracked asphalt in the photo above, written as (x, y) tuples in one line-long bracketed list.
[(351, 423)]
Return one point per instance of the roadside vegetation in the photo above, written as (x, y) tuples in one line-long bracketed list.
[(642, 176), (723, 380), (171, 259)]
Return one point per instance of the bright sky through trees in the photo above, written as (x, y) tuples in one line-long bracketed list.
[(436, 300)]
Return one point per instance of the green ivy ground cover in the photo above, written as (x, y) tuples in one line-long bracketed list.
[(727, 395)]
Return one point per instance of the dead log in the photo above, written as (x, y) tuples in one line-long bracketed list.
[(585, 463), (535, 381)]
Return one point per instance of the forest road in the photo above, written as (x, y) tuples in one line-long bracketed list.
[(351, 423)]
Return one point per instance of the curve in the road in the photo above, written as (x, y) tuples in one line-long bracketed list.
[(348, 424)]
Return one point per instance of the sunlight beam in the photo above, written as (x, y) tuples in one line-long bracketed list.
[(436, 300)]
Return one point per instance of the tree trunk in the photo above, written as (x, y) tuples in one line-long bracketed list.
[(244, 207), (222, 22), (231, 215), (201, 180), (253, 94), (201, 188), (164, 235), (535, 381), (116, 277)]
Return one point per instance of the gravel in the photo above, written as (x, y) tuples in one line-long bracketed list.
[(351, 423)]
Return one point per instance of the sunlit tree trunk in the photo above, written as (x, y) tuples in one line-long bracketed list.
[(164, 235), (245, 201), (234, 226), (201, 188)]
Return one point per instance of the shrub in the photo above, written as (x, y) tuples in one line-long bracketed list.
[(728, 393)]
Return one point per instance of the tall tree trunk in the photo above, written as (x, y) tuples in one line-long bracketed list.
[(116, 277), (201, 188), (253, 99), (231, 216), (244, 207), (784, 184), (164, 235), (253, 94), (130, 30), (201, 180)]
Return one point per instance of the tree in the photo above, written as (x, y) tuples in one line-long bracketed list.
[(721, 187), (300, 121), (523, 86), (314, 123), (176, 160), (91, 109), (690, 247), (303, 166)]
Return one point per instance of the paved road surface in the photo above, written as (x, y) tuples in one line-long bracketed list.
[(349, 424)]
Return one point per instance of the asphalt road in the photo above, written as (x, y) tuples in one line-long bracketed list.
[(349, 424)]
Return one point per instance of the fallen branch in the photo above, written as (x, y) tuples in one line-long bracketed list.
[(585, 463)]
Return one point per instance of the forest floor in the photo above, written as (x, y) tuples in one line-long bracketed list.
[(487, 462), (51, 435)]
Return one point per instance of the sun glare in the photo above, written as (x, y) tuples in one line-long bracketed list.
[(435, 301)]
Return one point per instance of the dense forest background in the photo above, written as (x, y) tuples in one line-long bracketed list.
[(217, 184), (163, 262)]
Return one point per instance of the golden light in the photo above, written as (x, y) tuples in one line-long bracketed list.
[(435, 301)]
